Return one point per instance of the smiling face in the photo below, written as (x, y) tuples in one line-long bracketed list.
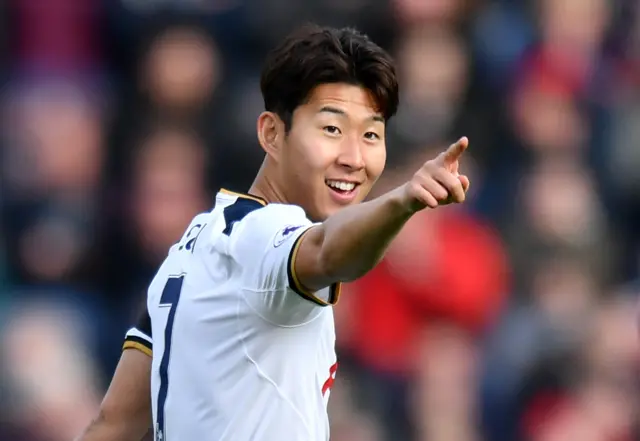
[(327, 94), (334, 151)]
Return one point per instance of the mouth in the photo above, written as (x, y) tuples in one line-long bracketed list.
[(342, 191)]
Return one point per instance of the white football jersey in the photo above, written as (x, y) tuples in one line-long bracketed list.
[(241, 351)]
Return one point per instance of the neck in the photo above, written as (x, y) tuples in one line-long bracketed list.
[(265, 187)]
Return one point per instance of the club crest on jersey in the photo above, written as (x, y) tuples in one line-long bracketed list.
[(284, 234)]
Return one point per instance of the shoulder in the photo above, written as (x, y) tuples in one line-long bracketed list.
[(279, 212), (275, 219)]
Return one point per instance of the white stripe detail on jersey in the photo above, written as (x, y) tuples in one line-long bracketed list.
[(135, 332)]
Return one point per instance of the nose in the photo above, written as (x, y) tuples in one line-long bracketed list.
[(351, 156)]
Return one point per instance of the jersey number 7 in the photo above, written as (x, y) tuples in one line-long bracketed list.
[(170, 297)]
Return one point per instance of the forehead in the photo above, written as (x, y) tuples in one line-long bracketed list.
[(349, 97)]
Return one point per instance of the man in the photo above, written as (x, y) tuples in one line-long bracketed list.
[(240, 311)]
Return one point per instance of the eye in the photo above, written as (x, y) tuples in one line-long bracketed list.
[(332, 130), (371, 136)]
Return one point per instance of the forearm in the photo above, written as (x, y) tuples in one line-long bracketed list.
[(354, 240), (103, 429), (125, 413)]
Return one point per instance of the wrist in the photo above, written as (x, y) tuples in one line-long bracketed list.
[(402, 202)]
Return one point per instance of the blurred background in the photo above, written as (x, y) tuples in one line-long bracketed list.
[(511, 318)]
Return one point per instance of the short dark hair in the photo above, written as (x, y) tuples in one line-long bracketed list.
[(315, 55)]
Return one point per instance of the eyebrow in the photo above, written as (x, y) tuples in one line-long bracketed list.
[(336, 111)]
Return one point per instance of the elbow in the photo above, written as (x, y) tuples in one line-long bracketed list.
[(93, 427), (328, 267)]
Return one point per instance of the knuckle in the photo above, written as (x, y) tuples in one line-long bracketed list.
[(412, 184), (415, 187), (430, 166)]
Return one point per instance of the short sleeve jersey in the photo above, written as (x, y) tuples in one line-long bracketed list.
[(241, 350)]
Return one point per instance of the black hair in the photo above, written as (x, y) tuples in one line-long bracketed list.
[(315, 55)]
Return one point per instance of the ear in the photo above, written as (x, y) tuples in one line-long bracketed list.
[(270, 133)]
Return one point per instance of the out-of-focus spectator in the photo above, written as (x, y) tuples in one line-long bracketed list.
[(168, 188), (533, 354), (619, 154), (558, 209), (547, 118), (574, 28), (58, 36), (181, 70), (348, 422), (443, 12), (434, 72), (164, 190), (501, 33), (52, 170), (445, 400), (49, 371), (599, 403), (269, 22)]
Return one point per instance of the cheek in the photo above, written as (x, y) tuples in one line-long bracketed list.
[(296, 168), (311, 158), (375, 162)]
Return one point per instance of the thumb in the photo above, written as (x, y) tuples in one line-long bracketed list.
[(453, 153)]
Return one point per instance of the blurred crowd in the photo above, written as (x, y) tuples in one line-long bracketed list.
[(511, 318)]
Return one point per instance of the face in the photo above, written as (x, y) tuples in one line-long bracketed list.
[(334, 152)]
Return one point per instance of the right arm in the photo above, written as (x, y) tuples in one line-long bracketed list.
[(125, 412), (351, 242)]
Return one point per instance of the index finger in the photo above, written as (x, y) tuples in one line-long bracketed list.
[(454, 151)]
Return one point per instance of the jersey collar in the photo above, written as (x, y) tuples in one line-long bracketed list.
[(244, 196)]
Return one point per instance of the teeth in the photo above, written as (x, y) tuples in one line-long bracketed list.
[(341, 185)]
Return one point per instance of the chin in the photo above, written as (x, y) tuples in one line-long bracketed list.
[(320, 214)]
